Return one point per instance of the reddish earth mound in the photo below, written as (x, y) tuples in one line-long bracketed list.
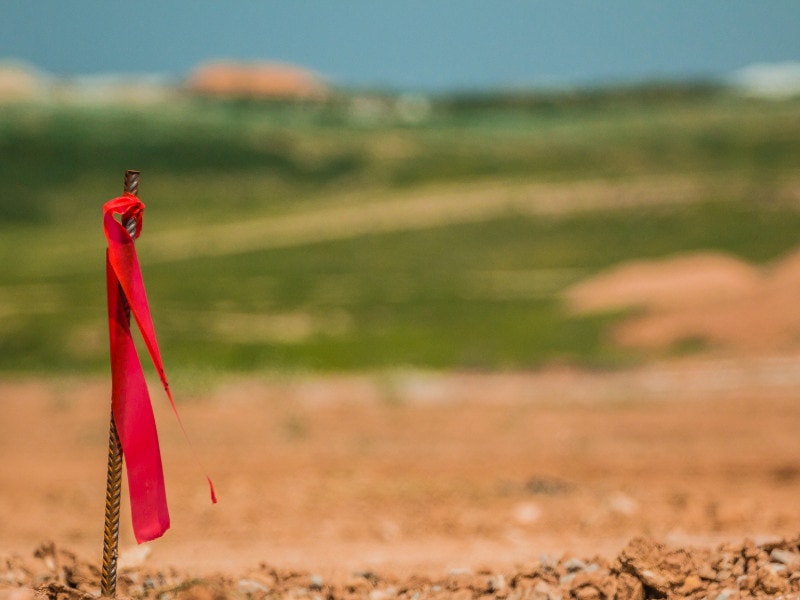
[(712, 301)]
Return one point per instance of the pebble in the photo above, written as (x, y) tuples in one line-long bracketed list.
[(565, 579), (385, 594), (786, 557), (574, 564), (496, 584), (654, 580), (691, 584), (541, 588), (723, 575), (587, 593), (251, 586), (707, 573)]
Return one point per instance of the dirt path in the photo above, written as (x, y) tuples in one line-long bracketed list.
[(345, 218), (361, 214)]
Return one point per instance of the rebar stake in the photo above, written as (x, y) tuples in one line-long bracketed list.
[(108, 581)]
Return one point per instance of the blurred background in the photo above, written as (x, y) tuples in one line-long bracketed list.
[(436, 283), (363, 186)]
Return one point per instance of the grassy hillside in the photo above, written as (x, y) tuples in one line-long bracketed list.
[(308, 237)]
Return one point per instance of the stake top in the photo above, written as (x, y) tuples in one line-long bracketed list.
[(131, 186)]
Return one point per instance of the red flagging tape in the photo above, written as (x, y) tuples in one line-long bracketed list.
[(130, 400)]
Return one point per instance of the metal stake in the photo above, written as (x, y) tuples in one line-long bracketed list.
[(108, 582)]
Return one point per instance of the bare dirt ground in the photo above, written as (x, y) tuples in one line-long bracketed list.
[(434, 483), (676, 479)]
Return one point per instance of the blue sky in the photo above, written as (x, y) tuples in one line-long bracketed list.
[(425, 45)]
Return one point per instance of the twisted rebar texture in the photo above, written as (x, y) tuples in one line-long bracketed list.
[(108, 581), (131, 186), (131, 183)]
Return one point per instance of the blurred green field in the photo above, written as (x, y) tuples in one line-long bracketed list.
[(296, 237)]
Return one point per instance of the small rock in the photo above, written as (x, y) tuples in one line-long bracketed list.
[(459, 579), (770, 582), (496, 584), (629, 588), (747, 582), (527, 513), (749, 549), (622, 504), (654, 580), (386, 594), (373, 578), (358, 585), (738, 568), (587, 593), (574, 564), (541, 591), (725, 594), (786, 557), (691, 584), (707, 573), (565, 579), (251, 586), (548, 560)]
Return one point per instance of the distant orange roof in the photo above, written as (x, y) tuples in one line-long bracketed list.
[(260, 80)]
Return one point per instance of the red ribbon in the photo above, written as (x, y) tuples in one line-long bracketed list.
[(130, 400)]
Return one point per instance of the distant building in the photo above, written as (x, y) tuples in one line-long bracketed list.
[(128, 89), (770, 80), (262, 81), (21, 83)]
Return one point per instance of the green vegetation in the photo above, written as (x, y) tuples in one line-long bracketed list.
[(234, 285)]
